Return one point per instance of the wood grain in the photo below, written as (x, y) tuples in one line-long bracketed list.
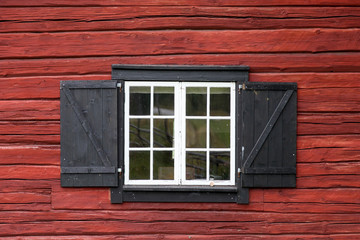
[(312, 42), (135, 43)]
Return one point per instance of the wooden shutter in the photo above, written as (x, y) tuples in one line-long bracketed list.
[(268, 149), (88, 111)]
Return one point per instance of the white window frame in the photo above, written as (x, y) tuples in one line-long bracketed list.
[(179, 149)]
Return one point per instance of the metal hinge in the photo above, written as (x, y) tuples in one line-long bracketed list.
[(119, 85), (120, 171)]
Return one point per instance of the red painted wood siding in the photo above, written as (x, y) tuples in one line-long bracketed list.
[(315, 43)]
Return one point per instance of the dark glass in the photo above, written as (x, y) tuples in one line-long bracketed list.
[(163, 165), (219, 165), (195, 165), (219, 101), (195, 133), (196, 101), (139, 165), (219, 133), (139, 132), (139, 100), (163, 132), (164, 101)]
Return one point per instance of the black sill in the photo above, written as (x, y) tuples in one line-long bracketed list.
[(172, 188)]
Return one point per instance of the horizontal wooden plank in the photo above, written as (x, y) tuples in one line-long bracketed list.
[(47, 87), (173, 216), (334, 168), (329, 181), (29, 110), (199, 237), (29, 172), (328, 141), (52, 19), (43, 87), (30, 127), (134, 43), (328, 123), (309, 80), (335, 195), (312, 207), (38, 186), (29, 154), (126, 12), (181, 2), (179, 23), (24, 197), (120, 227), (30, 139), (329, 99), (328, 154), (25, 206), (325, 62)]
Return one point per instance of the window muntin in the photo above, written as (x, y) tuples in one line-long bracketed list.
[(179, 134)]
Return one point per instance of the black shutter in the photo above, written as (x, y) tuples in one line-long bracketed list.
[(88, 112), (268, 135)]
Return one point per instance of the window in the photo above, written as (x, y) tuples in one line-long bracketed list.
[(178, 134)]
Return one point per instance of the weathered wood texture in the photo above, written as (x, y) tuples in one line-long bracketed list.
[(315, 43)]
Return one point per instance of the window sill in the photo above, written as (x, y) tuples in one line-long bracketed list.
[(175, 188)]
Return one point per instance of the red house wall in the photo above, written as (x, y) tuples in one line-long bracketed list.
[(313, 43)]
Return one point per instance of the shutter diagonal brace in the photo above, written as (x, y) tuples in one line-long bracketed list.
[(86, 126), (264, 135)]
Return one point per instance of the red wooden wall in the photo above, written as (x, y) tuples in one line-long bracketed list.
[(315, 43)]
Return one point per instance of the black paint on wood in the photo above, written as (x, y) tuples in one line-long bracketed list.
[(88, 133), (269, 135)]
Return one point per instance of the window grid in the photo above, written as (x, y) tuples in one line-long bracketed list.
[(179, 145)]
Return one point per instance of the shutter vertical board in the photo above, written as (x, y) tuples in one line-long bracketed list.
[(276, 149), (248, 103), (269, 135), (260, 112), (289, 141), (88, 133)]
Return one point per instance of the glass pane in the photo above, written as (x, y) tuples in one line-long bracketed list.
[(195, 165), (139, 100), (139, 133), (196, 133), (196, 101), (219, 133), (139, 165), (219, 165), (164, 101), (163, 165), (219, 101), (163, 132)]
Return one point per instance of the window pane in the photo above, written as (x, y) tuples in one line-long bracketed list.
[(196, 101), (163, 165), (139, 100), (139, 133), (196, 133), (164, 101), (220, 101), (219, 165), (139, 165), (163, 132), (219, 133), (195, 165)]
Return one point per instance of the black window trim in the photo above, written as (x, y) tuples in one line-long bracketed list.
[(180, 73)]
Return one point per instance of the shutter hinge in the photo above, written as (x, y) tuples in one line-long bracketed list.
[(119, 85), (241, 87), (120, 171), (239, 172)]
